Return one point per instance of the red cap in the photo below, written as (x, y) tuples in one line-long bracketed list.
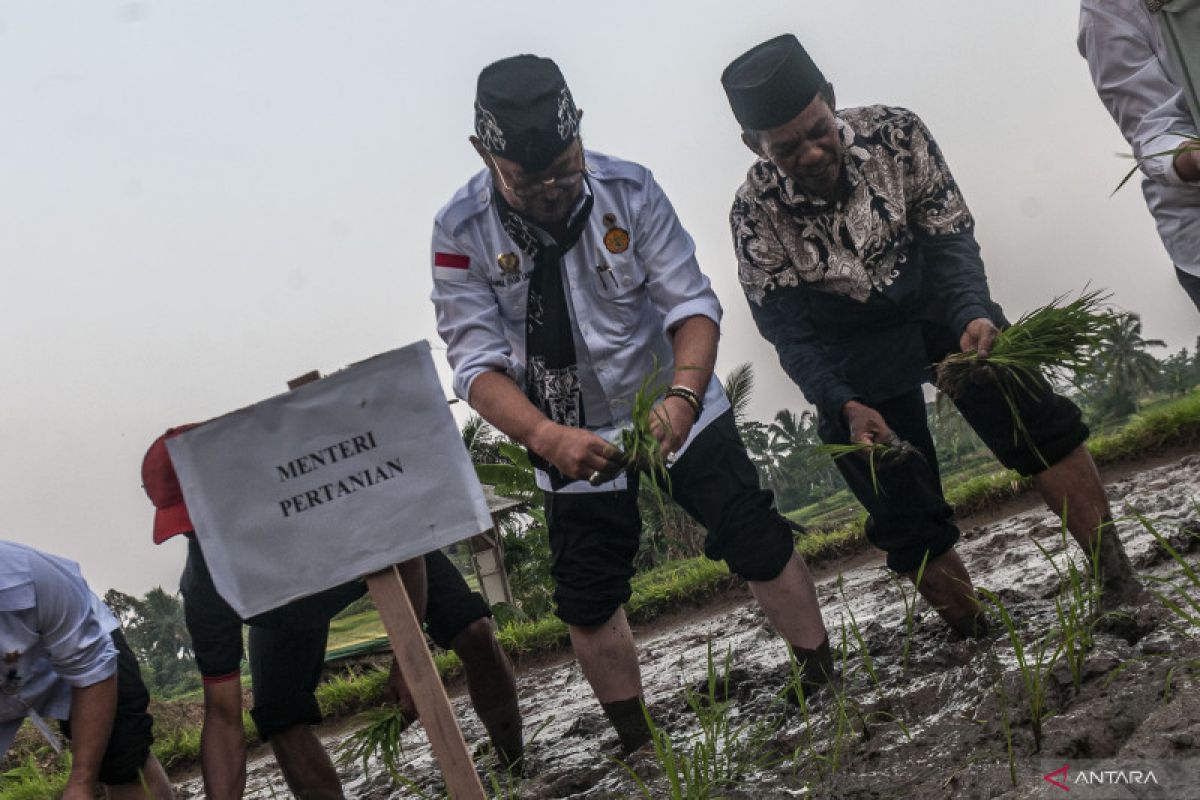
[(162, 487)]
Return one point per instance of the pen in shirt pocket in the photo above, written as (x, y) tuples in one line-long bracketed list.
[(605, 274)]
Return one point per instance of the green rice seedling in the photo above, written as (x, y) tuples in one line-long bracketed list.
[(863, 652), (1183, 604), (796, 688), (412, 787), (910, 608), (1006, 724), (639, 446), (506, 788), (879, 455), (379, 738), (1056, 340), (1034, 662), (1119, 669), (1076, 608), (826, 754), (720, 754), (1166, 692), (1191, 144), (841, 734)]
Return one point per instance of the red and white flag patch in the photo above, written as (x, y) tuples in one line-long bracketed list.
[(450, 266)]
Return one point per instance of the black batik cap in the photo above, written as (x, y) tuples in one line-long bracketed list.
[(524, 111), (771, 83)]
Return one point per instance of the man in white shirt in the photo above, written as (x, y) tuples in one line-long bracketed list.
[(65, 659), (562, 279), (1140, 85)]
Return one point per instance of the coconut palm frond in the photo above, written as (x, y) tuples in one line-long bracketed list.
[(479, 437), (739, 386)]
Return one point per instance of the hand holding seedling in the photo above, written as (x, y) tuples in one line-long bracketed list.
[(576, 452), (979, 335), (867, 427), (1187, 161), (671, 421)]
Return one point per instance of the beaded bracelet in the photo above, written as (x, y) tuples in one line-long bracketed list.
[(689, 396)]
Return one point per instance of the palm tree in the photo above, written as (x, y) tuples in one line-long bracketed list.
[(1179, 373), (739, 385), (157, 632), (480, 439), (1126, 366)]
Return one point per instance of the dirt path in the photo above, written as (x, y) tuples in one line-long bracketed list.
[(929, 724)]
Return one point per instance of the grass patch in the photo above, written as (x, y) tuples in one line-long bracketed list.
[(1167, 425), (355, 629)]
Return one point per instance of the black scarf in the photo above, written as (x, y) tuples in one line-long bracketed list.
[(551, 372)]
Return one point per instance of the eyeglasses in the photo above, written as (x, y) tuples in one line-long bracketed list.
[(524, 191)]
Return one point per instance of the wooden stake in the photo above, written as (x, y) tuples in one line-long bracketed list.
[(437, 716), (416, 665)]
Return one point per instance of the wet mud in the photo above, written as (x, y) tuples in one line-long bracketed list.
[(919, 714)]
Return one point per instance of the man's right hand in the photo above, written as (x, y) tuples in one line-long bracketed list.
[(867, 425), (1187, 162), (576, 453)]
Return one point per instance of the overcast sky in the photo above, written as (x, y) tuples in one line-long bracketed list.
[(199, 201)]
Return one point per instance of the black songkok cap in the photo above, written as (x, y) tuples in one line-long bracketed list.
[(524, 111), (771, 83)]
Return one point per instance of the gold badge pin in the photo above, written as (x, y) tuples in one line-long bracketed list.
[(616, 240), (610, 220), (509, 263)]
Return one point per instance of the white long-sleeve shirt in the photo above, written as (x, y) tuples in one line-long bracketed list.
[(55, 634), (1137, 81), (620, 314)]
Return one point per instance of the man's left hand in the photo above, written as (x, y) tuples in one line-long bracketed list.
[(671, 421), (978, 336)]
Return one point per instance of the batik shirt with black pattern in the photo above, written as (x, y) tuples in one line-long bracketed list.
[(846, 289)]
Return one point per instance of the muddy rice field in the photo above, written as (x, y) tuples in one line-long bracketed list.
[(919, 715)]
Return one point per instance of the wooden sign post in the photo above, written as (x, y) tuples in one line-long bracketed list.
[(416, 665), (420, 673), (350, 476)]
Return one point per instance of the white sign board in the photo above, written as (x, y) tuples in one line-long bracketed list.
[(332, 481)]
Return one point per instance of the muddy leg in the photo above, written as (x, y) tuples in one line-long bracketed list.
[(492, 688), (608, 659), (396, 692), (305, 764), (790, 603), (1072, 489), (946, 585)]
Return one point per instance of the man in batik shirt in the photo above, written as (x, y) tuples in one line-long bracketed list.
[(857, 254)]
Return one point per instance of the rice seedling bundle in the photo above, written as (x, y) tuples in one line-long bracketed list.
[(1055, 340), (879, 455), (639, 446)]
